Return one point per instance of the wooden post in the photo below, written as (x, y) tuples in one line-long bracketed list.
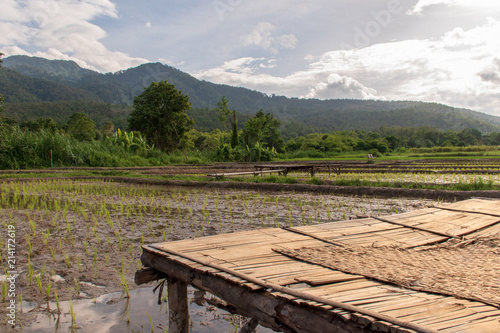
[(178, 309), (250, 326)]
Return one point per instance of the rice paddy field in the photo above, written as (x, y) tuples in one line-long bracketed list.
[(75, 243)]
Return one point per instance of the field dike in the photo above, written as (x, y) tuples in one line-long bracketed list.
[(374, 191)]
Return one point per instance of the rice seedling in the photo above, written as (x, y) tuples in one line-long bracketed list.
[(4, 291), (53, 253), (47, 290), (30, 271), (38, 281), (73, 316), (67, 260), (32, 224), (151, 322), (20, 296), (77, 286), (79, 264), (58, 305), (124, 284), (30, 247)]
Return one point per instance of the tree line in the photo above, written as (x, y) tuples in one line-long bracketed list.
[(159, 126)]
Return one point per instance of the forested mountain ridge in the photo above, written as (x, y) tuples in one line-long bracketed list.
[(37, 81)]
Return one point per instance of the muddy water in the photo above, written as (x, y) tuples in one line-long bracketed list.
[(138, 313)]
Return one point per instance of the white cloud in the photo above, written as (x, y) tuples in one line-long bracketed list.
[(423, 4), (461, 69), (262, 37), (337, 86), (64, 26), (450, 70), (492, 72)]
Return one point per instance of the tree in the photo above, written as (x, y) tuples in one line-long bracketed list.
[(108, 128), (1, 97), (42, 124), (81, 127), (224, 114), (160, 113), (263, 128)]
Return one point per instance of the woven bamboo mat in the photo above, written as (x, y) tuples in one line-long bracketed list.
[(469, 270)]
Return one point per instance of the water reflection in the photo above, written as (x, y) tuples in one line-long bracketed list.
[(139, 313)]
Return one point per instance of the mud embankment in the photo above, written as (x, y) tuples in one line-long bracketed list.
[(373, 191)]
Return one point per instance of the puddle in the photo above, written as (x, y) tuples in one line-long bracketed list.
[(113, 313)]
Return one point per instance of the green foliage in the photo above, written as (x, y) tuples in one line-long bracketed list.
[(223, 110), (479, 185), (21, 149), (132, 142), (160, 113), (61, 111), (315, 181), (108, 128), (225, 118), (234, 135), (42, 123), (273, 179), (24, 149), (225, 153), (2, 99), (263, 129), (81, 127), (207, 120)]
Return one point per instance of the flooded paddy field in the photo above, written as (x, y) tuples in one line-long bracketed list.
[(78, 245)]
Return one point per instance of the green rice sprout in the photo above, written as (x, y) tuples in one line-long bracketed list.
[(73, 315)]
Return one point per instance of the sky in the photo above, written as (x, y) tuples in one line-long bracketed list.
[(443, 51)]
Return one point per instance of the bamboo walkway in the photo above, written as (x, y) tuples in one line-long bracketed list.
[(289, 295)]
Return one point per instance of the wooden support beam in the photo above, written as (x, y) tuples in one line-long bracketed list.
[(250, 326), (178, 310)]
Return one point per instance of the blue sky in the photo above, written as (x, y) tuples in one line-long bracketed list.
[(444, 51)]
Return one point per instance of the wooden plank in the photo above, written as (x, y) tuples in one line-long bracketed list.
[(255, 173), (477, 206), (424, 310), (445, 223), (488, 325), (329, 278)]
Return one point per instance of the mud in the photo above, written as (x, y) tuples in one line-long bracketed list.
[(81, 238)]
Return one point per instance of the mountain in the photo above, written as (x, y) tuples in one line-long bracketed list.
[(37, 81), (54, 70), (20, 88)]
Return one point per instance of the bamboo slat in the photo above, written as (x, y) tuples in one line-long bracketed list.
[(250, 253)]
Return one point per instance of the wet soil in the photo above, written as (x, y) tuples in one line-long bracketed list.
[(79, 239)]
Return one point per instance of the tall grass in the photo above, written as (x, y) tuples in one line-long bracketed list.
[(21, 149)]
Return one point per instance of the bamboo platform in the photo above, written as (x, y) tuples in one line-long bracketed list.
[(289, 295)]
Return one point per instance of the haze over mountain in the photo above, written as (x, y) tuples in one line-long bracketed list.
[(35, 87)]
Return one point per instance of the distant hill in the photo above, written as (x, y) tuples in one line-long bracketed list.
[(35, 80), (20, 88)]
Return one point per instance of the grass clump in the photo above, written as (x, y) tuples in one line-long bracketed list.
[(315, 181)]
